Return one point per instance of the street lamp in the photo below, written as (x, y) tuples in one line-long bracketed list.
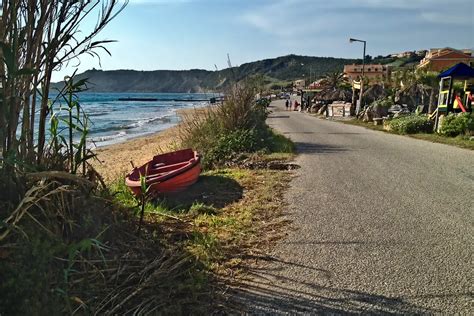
[(351, 40)]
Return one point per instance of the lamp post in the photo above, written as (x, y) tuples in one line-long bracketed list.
[(362, 77)]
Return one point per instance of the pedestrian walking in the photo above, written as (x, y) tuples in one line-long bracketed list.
[(287, 104)]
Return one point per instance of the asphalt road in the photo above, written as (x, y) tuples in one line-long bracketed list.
[(380, 224)]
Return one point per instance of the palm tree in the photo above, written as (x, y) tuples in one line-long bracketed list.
[(429, 82), (333, 80)]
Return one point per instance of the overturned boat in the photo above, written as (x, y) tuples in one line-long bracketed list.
[(166, 173)]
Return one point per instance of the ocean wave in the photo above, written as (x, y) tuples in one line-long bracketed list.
[(140, 123), (105, 138), (111, 126), (95, 114)]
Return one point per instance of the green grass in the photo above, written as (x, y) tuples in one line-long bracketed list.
[(221, 221), (226, 213), (281, 144), (459, 141)]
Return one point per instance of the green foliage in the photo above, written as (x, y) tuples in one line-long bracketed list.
[(224, 133), (200, 208), (263, 102), (29, 55), (411, 124), (237, 126), (280, 144), (235, 142), (333, 79), (385, 103), (63, 153), (457, 124)]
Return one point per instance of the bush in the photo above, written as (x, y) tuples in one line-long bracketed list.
[(385, 103), (229, 145), (225, 131), (411, 124), (264, 102), (457, 124)]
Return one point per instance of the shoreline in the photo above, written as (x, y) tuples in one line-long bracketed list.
[(113, 161)]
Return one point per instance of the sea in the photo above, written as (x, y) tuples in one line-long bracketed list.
[(112, 120)]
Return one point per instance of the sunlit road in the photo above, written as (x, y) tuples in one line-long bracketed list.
[(380, 224)]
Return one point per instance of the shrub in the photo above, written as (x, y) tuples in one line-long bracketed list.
[(411, 124), (457, 124), (223, 132), (264, 102), (385, 103), (233, 143)]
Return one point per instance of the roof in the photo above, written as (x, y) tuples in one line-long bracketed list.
[(460, 71), (462, 51)]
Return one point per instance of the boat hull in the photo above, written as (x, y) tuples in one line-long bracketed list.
[(168, 173)]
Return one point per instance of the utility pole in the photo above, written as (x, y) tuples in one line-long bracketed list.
[(363, 73)]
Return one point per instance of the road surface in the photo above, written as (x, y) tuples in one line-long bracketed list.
[(380, 224)]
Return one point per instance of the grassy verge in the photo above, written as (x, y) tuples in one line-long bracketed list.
[(460, 141), (220, 221)]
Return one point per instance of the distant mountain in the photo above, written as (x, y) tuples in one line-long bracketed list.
[(276, 72)]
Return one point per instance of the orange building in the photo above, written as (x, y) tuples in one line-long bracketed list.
[(374, 72), (438, 59)]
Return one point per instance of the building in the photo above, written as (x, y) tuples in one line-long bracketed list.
[(438, 59), (374, 72), (403, 54), (318, 84), (299, 84)]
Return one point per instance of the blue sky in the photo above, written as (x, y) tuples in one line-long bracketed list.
[(187, 34)]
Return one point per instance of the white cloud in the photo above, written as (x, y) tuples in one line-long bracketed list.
[(289, 18)]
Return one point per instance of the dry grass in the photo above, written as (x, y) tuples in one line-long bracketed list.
[(65, 249)]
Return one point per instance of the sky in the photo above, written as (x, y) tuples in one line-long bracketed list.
[(198, 34)]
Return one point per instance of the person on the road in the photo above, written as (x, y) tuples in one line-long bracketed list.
[(287, 104)]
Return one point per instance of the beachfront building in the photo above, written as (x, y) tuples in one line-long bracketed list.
[(438, 59), (318, 84), (374, 72), (299, 84)]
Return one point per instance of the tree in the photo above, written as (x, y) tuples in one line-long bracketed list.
[(333, 80), (430, 82), (37, 38)]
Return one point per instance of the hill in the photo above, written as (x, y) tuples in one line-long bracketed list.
[(276, 72)]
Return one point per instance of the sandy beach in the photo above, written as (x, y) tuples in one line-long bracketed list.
[(113, 161)]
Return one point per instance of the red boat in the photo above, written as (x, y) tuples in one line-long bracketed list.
[(171, 172)]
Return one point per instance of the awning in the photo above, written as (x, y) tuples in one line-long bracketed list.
[(459, 71)]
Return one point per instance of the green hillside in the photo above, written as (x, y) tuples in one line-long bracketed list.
[(276, 72)]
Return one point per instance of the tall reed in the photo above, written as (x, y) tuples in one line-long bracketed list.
[(36, 39)]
